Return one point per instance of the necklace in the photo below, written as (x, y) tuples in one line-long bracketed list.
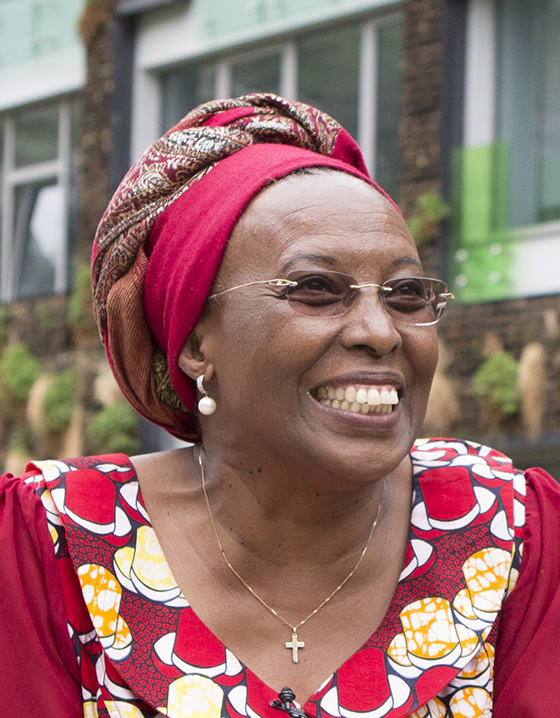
[(294, 645)]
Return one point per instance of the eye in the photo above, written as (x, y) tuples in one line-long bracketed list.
[(316, 289), (407, 295)]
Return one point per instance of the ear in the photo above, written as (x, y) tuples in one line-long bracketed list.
[(192, 359)]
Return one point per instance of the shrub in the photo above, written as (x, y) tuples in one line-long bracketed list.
[(19, 370), (113, 429), (425, 223), (496, 381), (59, 401), (79, 312)]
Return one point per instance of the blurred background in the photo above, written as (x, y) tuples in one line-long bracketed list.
[(455, 104)]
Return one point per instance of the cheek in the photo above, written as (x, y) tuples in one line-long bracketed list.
[(423, 354), (267, 352)]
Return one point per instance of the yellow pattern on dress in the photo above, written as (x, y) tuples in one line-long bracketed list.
[(432, 709), (487, 574), (123, 709), (471, 702), (428, 628), (102, 593), (193, 696), (146, 561), (90, 709)]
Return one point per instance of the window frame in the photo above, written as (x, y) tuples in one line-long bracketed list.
[(480, 129), (288, 51), (12, 177)]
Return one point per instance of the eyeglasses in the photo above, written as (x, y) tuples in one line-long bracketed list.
[(419, 301)]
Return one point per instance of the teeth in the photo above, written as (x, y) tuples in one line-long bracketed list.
[(373, 398), (361, 396), (384, 394), (359, 401)]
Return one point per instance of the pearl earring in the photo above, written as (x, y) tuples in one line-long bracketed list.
[(206, 405)]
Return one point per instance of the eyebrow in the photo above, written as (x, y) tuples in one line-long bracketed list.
[(406, 262), (328, 261), (323, 259)]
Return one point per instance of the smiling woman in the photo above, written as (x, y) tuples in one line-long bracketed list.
[(259, 295)]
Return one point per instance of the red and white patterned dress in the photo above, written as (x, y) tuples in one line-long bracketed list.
[(142, 651)]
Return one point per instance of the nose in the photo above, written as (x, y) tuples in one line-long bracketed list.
[(369, 325)]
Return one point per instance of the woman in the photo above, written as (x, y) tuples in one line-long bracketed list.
[(259, 295)]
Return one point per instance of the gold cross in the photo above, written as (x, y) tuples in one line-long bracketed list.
[(294, 644)]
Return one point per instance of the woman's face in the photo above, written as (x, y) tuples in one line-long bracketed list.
[(272, 365)]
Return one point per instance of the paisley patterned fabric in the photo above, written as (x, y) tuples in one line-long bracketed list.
[(143, 651), (211, 136)]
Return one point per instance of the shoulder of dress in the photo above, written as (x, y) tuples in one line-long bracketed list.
[(457, 452), (115, 466)]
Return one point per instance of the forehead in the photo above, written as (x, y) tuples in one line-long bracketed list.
[(326, 218)]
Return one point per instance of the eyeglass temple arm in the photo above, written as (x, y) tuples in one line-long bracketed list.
[(272, 282)]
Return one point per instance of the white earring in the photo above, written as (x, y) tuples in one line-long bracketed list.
[(206, 405)]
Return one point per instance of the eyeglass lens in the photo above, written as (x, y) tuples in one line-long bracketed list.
[(411, 300)]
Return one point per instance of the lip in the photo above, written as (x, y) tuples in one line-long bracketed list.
[(362, 421)]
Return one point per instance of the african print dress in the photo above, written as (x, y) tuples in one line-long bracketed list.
[(142, 651)]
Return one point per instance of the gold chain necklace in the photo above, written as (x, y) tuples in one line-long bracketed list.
[(294, 645)]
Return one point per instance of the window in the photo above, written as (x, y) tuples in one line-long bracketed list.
[(507, 177), (38, 178), (352, 71)]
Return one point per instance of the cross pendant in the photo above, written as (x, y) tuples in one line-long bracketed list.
[(294, 644)]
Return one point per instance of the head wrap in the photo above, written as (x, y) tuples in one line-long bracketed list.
[(159, 244)]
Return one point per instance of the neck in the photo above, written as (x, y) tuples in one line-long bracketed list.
[(290, 522)]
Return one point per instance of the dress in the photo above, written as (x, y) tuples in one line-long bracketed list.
[(104, 630)]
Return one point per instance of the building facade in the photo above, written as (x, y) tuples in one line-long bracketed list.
[(456, 106)]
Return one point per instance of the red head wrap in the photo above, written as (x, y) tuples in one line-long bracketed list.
[(160, 243)]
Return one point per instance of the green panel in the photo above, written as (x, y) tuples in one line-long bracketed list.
[(224, 17), (481, 265), (31, 28)]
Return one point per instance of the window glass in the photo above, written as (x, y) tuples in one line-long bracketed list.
[(328, 76), (184, 89), (387, 164), (38, 237), (259, 75), (548, 113), (528, 110), (36, 135)]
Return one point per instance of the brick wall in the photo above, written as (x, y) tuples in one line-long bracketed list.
[(465, 330)]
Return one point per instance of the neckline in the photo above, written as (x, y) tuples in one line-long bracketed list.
[(483, 478), (318, 692)]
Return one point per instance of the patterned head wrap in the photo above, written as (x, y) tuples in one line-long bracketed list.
[(159, 244)]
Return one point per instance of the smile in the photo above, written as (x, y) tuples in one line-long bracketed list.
[(359, 399)]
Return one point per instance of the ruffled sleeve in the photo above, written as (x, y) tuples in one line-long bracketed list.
[(39, 670), (527, 672)]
